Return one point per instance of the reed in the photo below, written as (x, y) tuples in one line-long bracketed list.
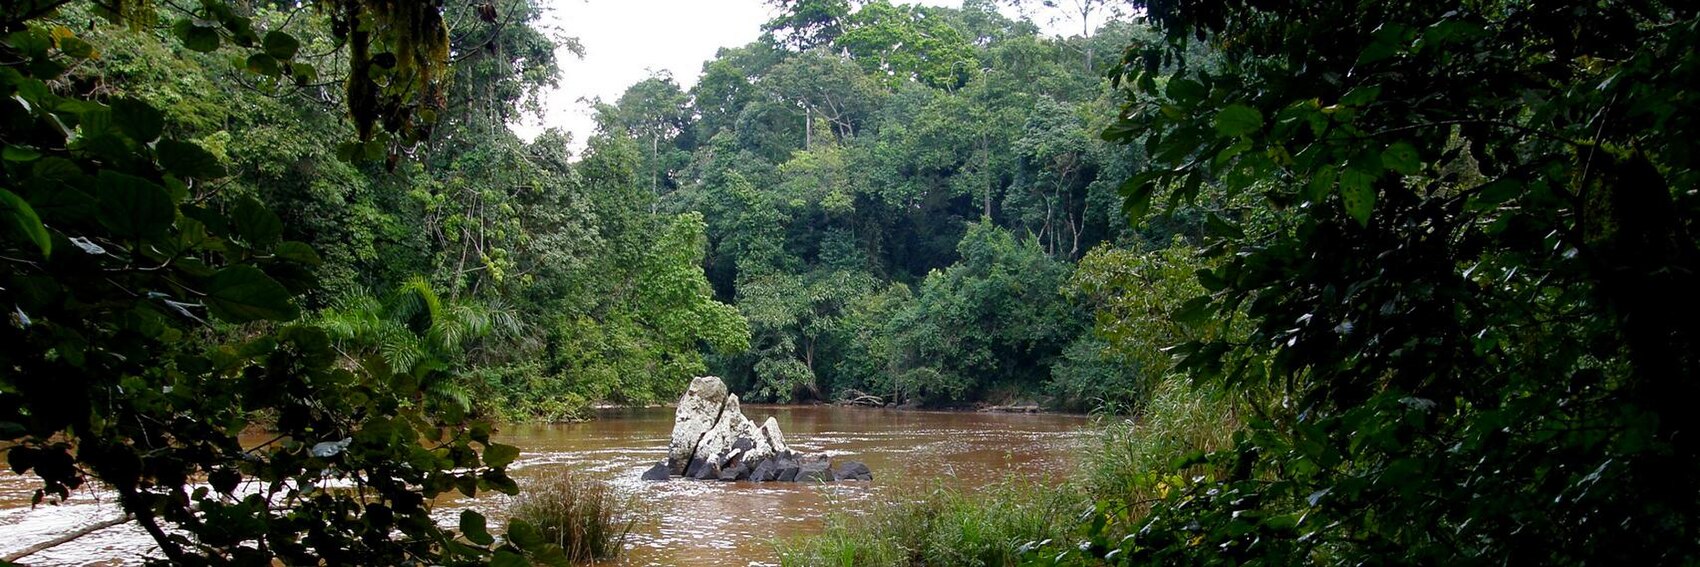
[(989, 528), (585, 516)]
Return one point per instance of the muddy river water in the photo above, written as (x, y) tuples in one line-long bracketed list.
[(688, 522)]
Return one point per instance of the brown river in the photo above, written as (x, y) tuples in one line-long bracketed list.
[(688, 522)]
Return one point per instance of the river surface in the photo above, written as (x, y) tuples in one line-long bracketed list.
[(687, 522)]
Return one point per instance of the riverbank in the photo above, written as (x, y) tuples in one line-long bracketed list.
[(1128, 464)]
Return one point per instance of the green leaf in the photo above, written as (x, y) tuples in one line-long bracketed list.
[(1357, 192), (21, 219), (1186, 90), (1238, 120), (1498, 192), (242, 294), (472, 525), (1321, 183), (188, 160), (1403, 158), (505, 558), (196, 38), (20, 154), (1195, 311), (133, 207), (1361, 96), (524, 535), (498, 455), (262, 64), (303, 73), (280, 45), (298, 252), (138, 120), (1137, 194), (257, 225)]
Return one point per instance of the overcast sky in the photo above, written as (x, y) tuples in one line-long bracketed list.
[(626, 40)]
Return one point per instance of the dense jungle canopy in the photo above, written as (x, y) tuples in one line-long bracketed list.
[(1434, 263)]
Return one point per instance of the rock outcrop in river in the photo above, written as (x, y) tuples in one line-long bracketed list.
[(713, 440)]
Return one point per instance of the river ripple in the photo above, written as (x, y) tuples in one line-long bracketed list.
[(690, 522)]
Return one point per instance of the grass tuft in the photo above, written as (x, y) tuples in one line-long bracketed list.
[(585, 516), (946, 527)]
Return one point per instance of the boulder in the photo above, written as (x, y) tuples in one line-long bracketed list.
[(698, 412), (852, 470), (658, 472), (766, 471), (713, 440), (817, 471), (701, 470), (788, 472), (736, 471)]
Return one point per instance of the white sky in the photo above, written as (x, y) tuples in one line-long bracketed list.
[(625, 40)]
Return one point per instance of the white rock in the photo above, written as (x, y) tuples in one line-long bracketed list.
[(699, 410), (775, 439)]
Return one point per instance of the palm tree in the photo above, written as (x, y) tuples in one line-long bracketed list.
[(413, 334)]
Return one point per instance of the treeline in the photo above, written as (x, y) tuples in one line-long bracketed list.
[(502, 276), (882, 199), (896, 199)]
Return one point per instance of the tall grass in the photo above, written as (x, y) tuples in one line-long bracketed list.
[(988, 528), (1134, 454), (585, 516)]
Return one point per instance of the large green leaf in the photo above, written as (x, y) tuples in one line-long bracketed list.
[(21, 219), (499, 455), (280, 45), (196, 38), (241, 294), (1238, 120), (1403, 158), (1357, 192), (188, 160), (133, 207), (137, 119), (472, 525), (524, 535), (257, 224), (505, 558)]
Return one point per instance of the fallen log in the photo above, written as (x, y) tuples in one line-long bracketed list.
[(64, 539)]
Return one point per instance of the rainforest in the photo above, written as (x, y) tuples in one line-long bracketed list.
[(1312, 282)]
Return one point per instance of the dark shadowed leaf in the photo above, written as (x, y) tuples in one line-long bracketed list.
[(242, 294), (1238, 120), (133, 207), (196, 38), (188, 160), (281, 45), (138, 120), (21, 220), (258, 225), (499, 455), (472, 525)]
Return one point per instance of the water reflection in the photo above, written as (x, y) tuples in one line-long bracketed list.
[(692, 522)]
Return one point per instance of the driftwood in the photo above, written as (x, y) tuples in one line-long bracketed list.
[(67, 538), (859, 398), (1027, 408)]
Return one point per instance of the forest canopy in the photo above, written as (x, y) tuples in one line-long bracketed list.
[(1409, 283)]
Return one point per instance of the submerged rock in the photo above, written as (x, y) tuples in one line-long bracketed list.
[(658, 472), (713, 440), (852, 470)]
